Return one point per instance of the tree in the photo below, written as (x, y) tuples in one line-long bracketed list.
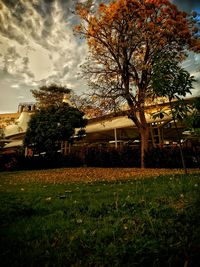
[(124, 38), (171, 81), (87, 104), (51, 125), (193, 120), (50, 95)]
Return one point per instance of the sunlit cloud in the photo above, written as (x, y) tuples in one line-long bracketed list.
[(15, 86)]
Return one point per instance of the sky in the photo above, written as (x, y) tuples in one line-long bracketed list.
[(38, 47)]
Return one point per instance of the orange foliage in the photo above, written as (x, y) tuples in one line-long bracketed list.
[(159, 17), (102, 7), (195, 43), (82, 11), (77, 28)]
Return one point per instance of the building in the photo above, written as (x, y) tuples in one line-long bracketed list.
[(117, 129), (109, 130), (13, 126)]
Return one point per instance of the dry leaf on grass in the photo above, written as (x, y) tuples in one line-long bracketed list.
[(92, 174)]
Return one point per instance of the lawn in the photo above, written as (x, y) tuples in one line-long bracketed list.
[(100, 217)]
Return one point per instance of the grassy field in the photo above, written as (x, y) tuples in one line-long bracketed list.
[(100, 217)]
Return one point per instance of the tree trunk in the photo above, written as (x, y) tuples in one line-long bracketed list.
[(144, 134)]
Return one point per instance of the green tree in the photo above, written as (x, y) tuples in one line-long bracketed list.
[(171, 81), (51, 125), (50, 95), (193, 120), (123, 38)]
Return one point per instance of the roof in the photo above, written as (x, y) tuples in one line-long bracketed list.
[(20, 126), (105, 124), (9, 115), (14, 143)]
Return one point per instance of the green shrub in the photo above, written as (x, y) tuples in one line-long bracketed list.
[(124, 157), (170, 157)]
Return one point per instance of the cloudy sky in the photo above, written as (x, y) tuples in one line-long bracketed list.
[(37, 46)]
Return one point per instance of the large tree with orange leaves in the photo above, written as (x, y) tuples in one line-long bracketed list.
[(124, 38)]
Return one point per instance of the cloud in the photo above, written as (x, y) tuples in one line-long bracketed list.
[(12, 87), (15, 85), (16, 64), (8, 25)]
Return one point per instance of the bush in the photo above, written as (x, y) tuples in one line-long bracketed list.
[(8, 162), (97, 157), (111, 157), (170, 157), (13, 162), (130, 157), (102, 157)]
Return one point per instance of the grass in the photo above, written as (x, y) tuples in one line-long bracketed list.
[(147, 222)]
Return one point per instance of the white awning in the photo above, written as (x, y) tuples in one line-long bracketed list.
[(14, 144), (118, 123)]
